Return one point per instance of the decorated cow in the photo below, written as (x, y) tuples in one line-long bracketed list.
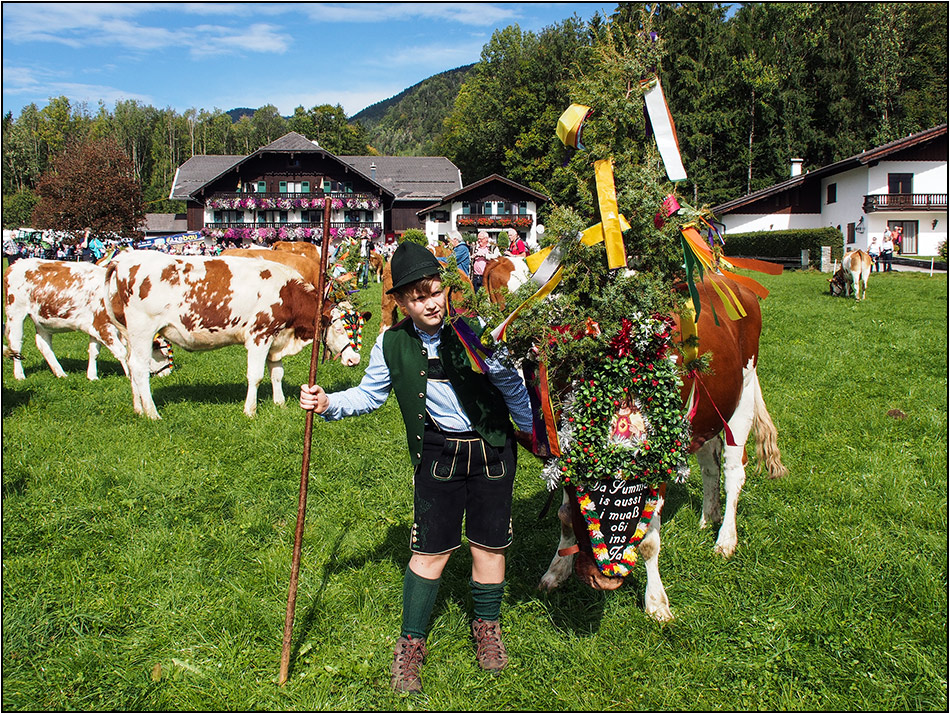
[(605, 521), (61, 296), (640, 345), (203, 303)]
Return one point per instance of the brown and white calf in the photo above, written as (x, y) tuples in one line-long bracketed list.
[(509, 272), (61, 296), (852, 275), (730, 388), (203, 303)]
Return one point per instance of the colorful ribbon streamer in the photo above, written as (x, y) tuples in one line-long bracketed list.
[(571, 124), (544, 430), (477, 352), (664, 130)]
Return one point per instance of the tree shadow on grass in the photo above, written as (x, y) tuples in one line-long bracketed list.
[(13, 399)]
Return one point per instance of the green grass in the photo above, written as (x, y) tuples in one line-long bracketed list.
[(145, 564)]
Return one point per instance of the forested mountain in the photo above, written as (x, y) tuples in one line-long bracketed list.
[(748, 91), (410, 124)]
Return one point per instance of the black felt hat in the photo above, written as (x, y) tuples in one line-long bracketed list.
[(411, 262)]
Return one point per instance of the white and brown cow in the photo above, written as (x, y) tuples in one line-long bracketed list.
[(203, 303), (300, 247), (730, 388), (308, 268), (509, 272), (852, 275), (64, 296)]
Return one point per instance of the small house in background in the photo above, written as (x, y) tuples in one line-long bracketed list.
[(493, 204), (159, 227), (902, 183)]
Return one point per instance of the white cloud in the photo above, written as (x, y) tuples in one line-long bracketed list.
[(30, 82), (479, 14), (81, 25)]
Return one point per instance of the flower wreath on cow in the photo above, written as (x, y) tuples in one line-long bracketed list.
[(594, 325)]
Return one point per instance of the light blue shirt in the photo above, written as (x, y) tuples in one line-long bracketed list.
[(442, 404)]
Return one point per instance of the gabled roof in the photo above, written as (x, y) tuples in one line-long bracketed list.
[(853, 162), (291, 142), (410, 178), (197, 171), (455, 195)]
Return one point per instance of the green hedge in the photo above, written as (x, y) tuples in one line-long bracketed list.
[(786, 244)]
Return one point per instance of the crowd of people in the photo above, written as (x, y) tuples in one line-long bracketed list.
[(65, 245)]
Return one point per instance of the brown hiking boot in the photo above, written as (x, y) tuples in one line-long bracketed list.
[(491, 653), (407, 659)]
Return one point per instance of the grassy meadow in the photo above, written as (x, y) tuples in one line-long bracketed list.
[(146, 564)]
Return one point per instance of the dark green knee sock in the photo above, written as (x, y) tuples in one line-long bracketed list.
[(487, 599), (418, 599)]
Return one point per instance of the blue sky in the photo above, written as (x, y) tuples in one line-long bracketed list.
[(227, 55)]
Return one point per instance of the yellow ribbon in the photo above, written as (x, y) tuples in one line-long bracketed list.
[(595, 234), (609, 213), (570, 125)]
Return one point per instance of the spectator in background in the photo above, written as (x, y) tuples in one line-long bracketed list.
[(365, 248), (874, 250), (484, 251), (516, 246), (887, 251), (463, 257)]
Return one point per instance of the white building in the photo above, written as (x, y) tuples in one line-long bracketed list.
[(494, 204), (902, 183)]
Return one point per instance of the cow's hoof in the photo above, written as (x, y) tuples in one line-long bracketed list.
[(661, 612), (726, 550), (588, 573)]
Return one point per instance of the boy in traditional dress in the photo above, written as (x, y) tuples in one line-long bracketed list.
[(462, 447)]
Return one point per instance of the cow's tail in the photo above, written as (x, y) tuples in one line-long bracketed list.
[(107, 299), (766, 438)]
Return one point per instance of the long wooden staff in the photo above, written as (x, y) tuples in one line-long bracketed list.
[(307, 438)]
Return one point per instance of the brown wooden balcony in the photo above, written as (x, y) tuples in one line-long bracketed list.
[(905, 202)]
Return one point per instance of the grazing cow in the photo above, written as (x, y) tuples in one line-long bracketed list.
[(308, 268), (858, 264), (64, 297), (203, 303), (505, 272), (390, 312), (730, 388)]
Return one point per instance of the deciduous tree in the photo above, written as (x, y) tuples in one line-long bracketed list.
[(90, 185)]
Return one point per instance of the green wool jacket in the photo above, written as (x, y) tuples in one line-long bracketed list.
[(408, 364)]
